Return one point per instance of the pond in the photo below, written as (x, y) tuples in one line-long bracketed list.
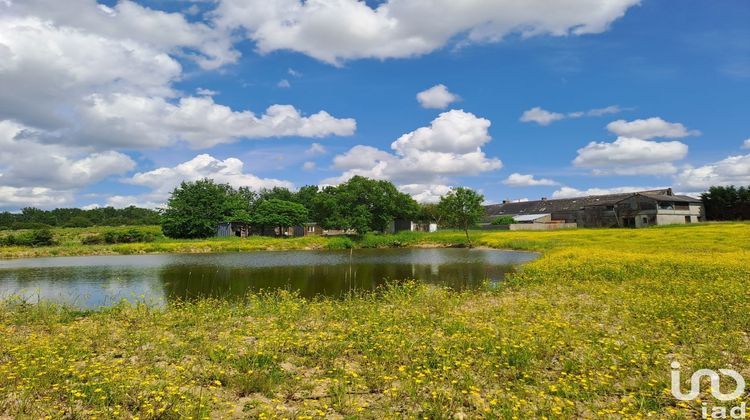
[(95, 281)]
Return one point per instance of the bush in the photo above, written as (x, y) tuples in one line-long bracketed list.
[(79, 222), (398, 240), (119, 237), (29, 225), (8, 240), (127, 237), (503, 220), (40, 237), (340, 242), (92, 240)]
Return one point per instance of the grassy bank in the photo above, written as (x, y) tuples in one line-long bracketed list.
[(588, 330), (78, 241)]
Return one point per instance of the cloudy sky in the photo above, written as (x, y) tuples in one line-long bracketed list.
[(115, 103)]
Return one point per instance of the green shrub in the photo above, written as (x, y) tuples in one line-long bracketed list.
[(111, 237), (503, 220), (127, 237), (398, 240), (29, 225), (40, 237), (8, 240), (340, 242), (92, 240), (79, 222)]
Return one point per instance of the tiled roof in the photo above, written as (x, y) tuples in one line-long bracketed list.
[(675, 198), (573, 204)]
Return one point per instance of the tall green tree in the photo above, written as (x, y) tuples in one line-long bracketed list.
[(326, 209), (430, 213), (280, 214), (306, 196), (727, 203), (370, 205), (461, 208), (279, 193), (104, 216), (195, 209)]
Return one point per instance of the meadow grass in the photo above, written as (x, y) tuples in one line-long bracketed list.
[(72, 242), (587, 330)]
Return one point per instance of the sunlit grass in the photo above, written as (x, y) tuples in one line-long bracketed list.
[(587, 330)]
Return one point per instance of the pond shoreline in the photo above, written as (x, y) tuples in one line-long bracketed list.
[(95, 281), (208, 246)]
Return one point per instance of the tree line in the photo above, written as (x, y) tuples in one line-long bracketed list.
[(727, 203), (34, 218), (195, 209)]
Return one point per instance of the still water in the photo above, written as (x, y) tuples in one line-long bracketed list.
[(101, 280)]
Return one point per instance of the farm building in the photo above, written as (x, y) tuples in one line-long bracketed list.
[(243, 230), (637, 209), (240, 229), (402, 225)]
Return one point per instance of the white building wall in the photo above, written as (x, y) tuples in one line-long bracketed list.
[(674, 219)]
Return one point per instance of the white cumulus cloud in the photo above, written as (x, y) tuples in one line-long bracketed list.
[(544, 117), (127, 120), (29, 164), (650, 128), (316, 149), (450, 146), (520, 180), (210, 47), (733, 170), (540, 116), (338, 30), (436, 97), (746, 144), (309, 165), (86, 75), (631, 156), (44, 67), (13, 197), (425, 193), (163, 180)]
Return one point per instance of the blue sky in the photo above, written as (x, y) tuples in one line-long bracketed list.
[(617, 94)]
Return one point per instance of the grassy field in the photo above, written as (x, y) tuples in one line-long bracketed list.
[(71, 242), (588, 330)]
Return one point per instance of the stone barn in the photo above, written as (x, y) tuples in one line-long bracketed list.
[(636, 209)]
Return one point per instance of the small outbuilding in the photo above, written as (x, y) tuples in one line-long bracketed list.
[(402, 225), (228, 229)]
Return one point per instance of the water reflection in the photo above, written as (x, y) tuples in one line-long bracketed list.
[(96, 281)]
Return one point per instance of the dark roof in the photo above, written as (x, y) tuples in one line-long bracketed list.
[(674, 198), (577, 203)]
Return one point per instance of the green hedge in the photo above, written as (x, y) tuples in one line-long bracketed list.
[(503, 220), (119, 237), (39, 237)]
